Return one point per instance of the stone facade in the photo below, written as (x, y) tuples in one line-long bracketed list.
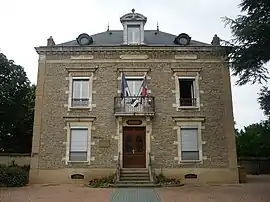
[(104, 66)]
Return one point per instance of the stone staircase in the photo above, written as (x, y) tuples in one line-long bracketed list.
[(134, 177)]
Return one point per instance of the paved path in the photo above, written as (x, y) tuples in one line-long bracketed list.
[(257, 190), (135, 195)]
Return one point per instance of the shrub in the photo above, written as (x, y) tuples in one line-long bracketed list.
[(13, 176), (161, 179), (102, 182)]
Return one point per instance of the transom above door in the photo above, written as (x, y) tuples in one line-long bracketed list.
[(134, 147)]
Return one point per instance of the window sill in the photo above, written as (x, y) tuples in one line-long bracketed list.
[(188, 107), (78, 108), (134, 43), (189, 161), (78, 162)]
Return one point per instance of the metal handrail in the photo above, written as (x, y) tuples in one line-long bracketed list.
[(188, 101), (78, 102), (150, 167), (131, 104), (118, 168)]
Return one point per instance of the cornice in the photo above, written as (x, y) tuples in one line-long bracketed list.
[(122, 49)]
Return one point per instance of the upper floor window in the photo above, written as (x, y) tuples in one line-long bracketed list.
[(133, 34), (187, 92), (80, 92), (134, 86)]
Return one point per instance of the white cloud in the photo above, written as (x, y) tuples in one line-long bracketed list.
[(27, 24)]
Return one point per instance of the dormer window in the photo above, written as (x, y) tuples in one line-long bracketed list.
[(133, 28), (133, 34)]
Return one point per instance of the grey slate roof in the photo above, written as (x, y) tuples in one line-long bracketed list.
[(151, 38)]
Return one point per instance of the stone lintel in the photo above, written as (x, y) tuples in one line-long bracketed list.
[(188, 118)]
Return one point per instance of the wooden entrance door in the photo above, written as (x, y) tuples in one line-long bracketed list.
[(134, 148)]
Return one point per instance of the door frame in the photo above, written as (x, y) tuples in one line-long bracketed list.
[(146, 122), (128, 130)]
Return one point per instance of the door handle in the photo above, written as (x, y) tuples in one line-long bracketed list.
[(133, 151)]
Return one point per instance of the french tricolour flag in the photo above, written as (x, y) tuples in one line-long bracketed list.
[(124, 86), (144, 86), (143, 92)]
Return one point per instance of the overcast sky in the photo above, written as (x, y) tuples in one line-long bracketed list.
[(28, 23)]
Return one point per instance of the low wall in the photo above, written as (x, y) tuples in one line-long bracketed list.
[(255, 165), (20, 159)]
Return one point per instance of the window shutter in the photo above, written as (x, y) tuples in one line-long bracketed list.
[(78, 140), (189, 139)]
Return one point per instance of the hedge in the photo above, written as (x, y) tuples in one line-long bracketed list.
[(13, 176)]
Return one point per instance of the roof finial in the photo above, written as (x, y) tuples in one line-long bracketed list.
[(133, 10), (157, 26), (216, 40), (50, 41), (108, 27)]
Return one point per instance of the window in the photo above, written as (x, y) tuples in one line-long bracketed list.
[(78, 144), (189, 143), (134, 86), (80, 92), (187, 92), (134, 35)]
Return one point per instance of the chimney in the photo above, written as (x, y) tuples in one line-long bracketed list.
[(50, 41), (216, 41)]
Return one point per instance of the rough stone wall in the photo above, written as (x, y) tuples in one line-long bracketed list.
[(212, 108), (20, 159), (53, 132)]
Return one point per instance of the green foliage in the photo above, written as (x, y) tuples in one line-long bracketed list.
[(251, 41), (102, 182), (264, 101), (161, 179), (16, 107), (13, 176), (254, 140)]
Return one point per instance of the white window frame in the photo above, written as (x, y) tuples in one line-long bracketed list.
[(78, 125), (70, 97), (195, 88), (140, 34), (135, 78), (189, 125)]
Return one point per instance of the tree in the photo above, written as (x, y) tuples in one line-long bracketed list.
[(264, 101), (251, 41), (254, 140), (16, 107)]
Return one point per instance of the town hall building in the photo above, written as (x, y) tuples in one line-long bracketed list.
[(133, 101)]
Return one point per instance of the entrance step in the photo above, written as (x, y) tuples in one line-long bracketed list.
[(138, 178), (135, 182), (134, 177), (134, 174), (119, 185), (125, 170)]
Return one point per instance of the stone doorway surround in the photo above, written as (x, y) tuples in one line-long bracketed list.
[(145, 122), (134, 147)]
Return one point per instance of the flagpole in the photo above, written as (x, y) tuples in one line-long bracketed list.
[(125, 83), (142, 84)]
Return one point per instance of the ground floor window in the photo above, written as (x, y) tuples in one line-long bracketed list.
[(189, 143), (78, 144)]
